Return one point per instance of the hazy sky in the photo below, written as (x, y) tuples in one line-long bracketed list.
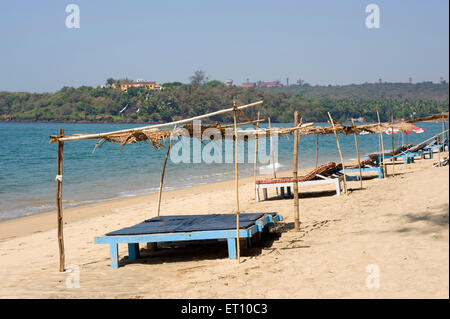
[(321, 42)]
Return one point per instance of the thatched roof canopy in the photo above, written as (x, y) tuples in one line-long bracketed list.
[(157, 136), (440, 116)]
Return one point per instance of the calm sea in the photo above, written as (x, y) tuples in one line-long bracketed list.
[(28, 164)]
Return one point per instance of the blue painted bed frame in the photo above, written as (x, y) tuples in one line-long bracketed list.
[(410, 156), (377, 169), (230, 235), (406, 157), (423, 153)]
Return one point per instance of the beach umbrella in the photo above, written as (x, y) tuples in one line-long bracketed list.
[(416, 129), (390, 131)]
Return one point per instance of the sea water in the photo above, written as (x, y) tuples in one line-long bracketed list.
[(28, 164)]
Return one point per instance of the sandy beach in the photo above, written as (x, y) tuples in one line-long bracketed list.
[(400, 224)]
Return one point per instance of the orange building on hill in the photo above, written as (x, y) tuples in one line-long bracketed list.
[(140, 84)]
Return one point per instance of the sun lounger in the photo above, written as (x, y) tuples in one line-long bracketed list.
[(406, 158), (434, 147), (396, 151), (396, 154), (367, 165), (443, 162), (318, 176), (187, 228), (421, 150)]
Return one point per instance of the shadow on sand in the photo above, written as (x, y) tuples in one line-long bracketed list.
[(435, 220)]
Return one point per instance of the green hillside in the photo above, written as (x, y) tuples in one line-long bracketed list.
[(184, 100)]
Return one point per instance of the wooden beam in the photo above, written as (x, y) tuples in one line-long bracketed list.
[(163, 172), (407, 151), (244, 123), (357, 154), (443, 140), (255, 165), (439, 150), (236, 173), (272, 155), (295, 176), (382, 147), (317, 150), (59, 209), (100, 135), (340, 153), (393, 147)]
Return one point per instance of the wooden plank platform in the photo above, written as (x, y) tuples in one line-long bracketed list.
[(250, 224)]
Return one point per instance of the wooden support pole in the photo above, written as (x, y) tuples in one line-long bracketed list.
[(295, 175), (443, 140), (255, 165), (243, 123), (340, 153), (382, 147), (407, 150), (59, 202), (393, 155), (447, 135), (272, 155), (357, 154), (236, 171), (439, 150), (317, 149), (443, 125), (163, 171)]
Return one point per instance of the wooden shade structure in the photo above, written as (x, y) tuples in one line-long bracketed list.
[(156, 136), (147, 133)]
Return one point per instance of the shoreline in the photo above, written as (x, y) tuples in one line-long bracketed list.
[(131, 121), (40, 222), (44, 221), (118, 197)]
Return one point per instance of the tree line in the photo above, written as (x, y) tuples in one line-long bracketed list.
[(179, 100)]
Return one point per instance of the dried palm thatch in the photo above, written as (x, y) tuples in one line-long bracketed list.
[(156, 137), (440, 116), (357, 129)]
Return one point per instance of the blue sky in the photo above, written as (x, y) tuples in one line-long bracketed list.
[(321, 42)]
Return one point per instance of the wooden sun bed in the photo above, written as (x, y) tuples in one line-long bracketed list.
[(421, 150), (409, 158), (367, 165), (397, 154), (187, 228), (318, 176), (434, 148)]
